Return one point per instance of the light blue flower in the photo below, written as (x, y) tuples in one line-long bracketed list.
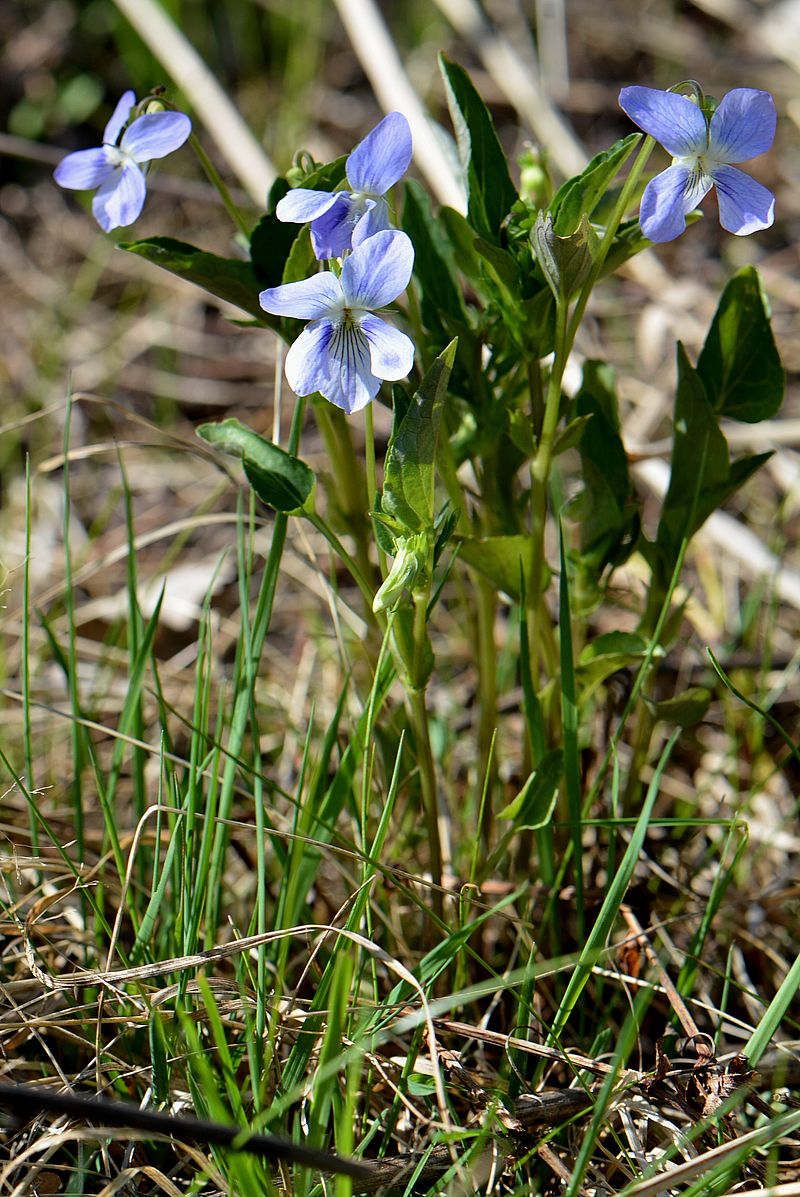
[(115, 167), (341, 220), (345, 351), (703, 153)]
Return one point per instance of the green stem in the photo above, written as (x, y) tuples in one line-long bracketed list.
[(621, 207), (566, 331), (216, 180), (487, 682), (369, 455), (540, 465), (540, 473), (537, 397), (351, 495), (427, 778), (372, 477), (25, 663)]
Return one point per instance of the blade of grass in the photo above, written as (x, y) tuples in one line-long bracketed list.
[(596, 939), (773, 1015), (25, 663), (244, 691), (77, 735)]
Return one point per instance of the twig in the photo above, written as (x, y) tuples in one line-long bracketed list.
[(25, 1101), (676, 1001)]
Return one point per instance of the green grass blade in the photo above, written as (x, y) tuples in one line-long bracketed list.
[(609, 911)]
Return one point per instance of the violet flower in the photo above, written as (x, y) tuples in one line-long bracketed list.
[(115, 167), (345, 351), (341, 220), (703, 153)]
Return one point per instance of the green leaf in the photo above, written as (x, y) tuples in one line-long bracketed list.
[(500, 559), (565, 260), (740, 365), (580, 195), (433, 266), (534, 804), (701, 476), (408, 488), (490, 192), (614, 644), (271, 243), (570, 435), (283, 482), (539, 317), (699, 465), (520, 430), (227, 278), (417, 658), (409, 571), (500, 267), (301, 262), (325, 177), (461, 240), (605, 508), (684, 710), (606, 655)]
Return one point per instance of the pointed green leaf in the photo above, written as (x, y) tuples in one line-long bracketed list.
[(501, 268), (699, 464), (283, 482), (580, 195), (409, 570), (701, 476), (271, 243), (565, 260), (520, 430), (301, 262), (433, 265), (533, 806), (683, 710), (490, 192), (740, 365), (613, 644), (606, 655), (570, 436), (501, 559), (461, 238), (408, 488), (608, 518), (227, 278)]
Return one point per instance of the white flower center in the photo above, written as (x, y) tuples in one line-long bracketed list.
[(117, 158)]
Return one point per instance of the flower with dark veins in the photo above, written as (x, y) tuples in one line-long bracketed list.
[(341, 220), (115, 167), (346, 350), (704, 155)]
